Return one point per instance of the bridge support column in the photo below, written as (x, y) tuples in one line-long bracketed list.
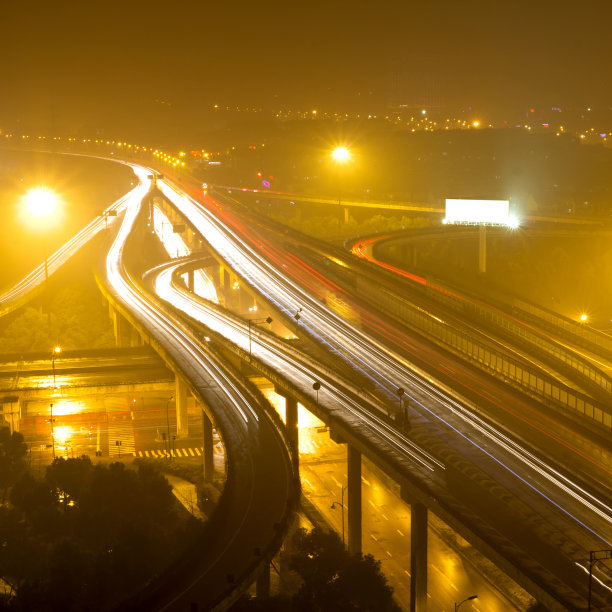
[(482, 249), (121, 329), (418, 557), (190, 282), (354, 499), (135, 339), (346, 215), (11, 410), (182, 428), (262, 585), (209, 464), (291, 423)]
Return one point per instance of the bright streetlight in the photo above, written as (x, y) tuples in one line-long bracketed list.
[(39, 210), (341, 154), (40, 202)]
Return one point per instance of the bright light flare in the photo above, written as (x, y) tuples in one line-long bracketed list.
[(341, 154), (513, 222), (584, 317), (40, 202)]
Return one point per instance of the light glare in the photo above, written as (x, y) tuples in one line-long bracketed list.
[(341, 154)]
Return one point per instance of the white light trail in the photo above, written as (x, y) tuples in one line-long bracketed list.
[(389, 369)]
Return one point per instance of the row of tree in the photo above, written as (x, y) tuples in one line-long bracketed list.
[(84, 537)]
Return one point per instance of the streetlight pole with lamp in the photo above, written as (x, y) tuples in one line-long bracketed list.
[(40, 206), (54, 354), (594, 557), (267, 320), (342, 506), (341, 155), (457, 605)]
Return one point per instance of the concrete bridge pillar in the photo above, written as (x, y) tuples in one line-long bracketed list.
[(189, 238), (182, 426), (121, 329), (291, 423), (135, 339), (11, 410), (418, 557), (354, 499), (346, 215), (190, 281), (209, 464)]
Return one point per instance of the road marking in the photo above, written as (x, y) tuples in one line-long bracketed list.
[(388, 553), (398, 531), (374, 537), (384, 516), (366, 481)]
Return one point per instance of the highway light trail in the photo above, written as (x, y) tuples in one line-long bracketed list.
[(175, 246), (172, 333), (300, 371), (391, 370)]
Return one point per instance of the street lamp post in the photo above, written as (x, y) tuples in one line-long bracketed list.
[(594, 557), (341, 504), (56, 351), (267, 320), (40, 206), (316, 386), (466, 599), (52, 432), (341, 155), (297, 315)]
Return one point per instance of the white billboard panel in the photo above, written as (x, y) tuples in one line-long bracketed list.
[(477, 211)]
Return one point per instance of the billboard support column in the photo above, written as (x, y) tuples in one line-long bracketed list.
[(482, 249)]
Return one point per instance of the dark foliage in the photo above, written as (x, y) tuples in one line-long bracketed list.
[(87, 536), (331, 579)]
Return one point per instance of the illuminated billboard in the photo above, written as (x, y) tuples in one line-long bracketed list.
[(493, 212)]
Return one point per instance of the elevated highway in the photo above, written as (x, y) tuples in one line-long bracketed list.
[(260, 490), (546, 522), (249, 252)]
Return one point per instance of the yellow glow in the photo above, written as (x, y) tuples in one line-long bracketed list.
[(341, 154), (475, 123), (40, 202), (57, 350), (584, 317), (62, 434)]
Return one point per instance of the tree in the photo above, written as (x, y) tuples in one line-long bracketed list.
[(12, 454), (333, 579), (70, 477)]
